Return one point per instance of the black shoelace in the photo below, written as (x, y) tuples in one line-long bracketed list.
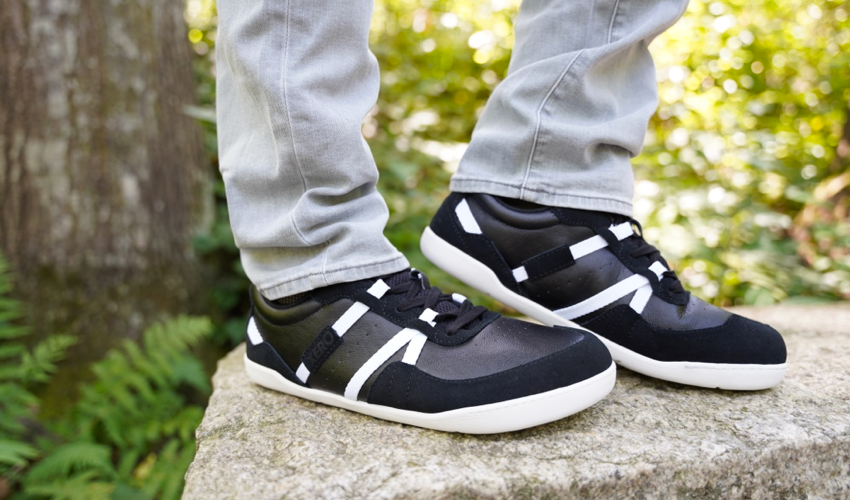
[(420, 294), (644, 249)]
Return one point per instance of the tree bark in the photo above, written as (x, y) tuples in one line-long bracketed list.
[(102, 176)]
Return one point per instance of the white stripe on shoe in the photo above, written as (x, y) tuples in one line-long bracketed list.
[(467, 220), (640, 298), (428, 316), (378, 289), (584, 248), (520, 274), (588, 246), (355, 312), (302, 373), (603, 298), (414, 349), (622, 231), (253, 333), (658, 268), (352, 390)]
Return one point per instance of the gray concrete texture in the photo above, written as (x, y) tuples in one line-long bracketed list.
[(647, 440)]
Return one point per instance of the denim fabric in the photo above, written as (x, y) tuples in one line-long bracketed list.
[(296, 78), (560, 130)]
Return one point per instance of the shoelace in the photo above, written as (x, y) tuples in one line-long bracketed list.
[(420, 294), (644, 249)]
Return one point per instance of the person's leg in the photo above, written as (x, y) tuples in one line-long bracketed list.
[(294, 80), (561, 128), (540, 213), (356, 329)]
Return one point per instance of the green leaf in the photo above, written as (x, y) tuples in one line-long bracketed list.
[(16, 453), (82, 486), (70, 458)]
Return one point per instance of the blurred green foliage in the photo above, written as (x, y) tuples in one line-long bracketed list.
[(741, 176), (130, 435), (743, 179)]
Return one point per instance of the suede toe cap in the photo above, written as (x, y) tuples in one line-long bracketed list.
[(737, 341)]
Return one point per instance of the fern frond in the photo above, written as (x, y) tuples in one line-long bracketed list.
[(162, 476), (10, 309), (124, 491), (176, 336), (144, 365), (9, 331), (11, 372), (16, 405), (15, 453), (11, 350), (69, 459), (82, 486), (128, 462), (192, 373), (141, 386), (135, 403), (184, 423), (40, 363)]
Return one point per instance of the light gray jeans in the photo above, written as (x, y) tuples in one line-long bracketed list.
[(296, 78)]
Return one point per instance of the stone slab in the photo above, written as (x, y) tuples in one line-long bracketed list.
[(649, 439)]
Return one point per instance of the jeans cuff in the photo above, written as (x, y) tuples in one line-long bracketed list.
[(332, 277), (599, 203)]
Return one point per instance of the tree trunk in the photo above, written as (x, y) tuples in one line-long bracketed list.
[(102, 176)]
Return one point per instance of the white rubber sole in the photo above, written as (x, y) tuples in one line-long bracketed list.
[(506, 416), (712, 375)]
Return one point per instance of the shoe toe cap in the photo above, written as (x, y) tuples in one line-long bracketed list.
[(739, 341), (751, 342), (405, 386)]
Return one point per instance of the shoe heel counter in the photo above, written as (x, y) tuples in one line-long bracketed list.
[(447, 225), (282, 315), (264, 354), (258, 349)]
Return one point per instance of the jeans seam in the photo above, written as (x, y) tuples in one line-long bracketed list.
[(285, 76), (295, 226), (325, 272), (325, 263), (286, 98), (613, 17), (553, 193), (538, 190), (539, 119)]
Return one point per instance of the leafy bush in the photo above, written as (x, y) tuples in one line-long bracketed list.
[(131, 434), (744, 176)]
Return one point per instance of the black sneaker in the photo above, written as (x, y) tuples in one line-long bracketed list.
[(399, 349), (594, 270)]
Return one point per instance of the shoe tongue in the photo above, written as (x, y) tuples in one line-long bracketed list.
[(397, 278), (401, 277), (599, 221), (446, 306)]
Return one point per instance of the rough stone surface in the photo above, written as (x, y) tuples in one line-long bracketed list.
[(648, 439)]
